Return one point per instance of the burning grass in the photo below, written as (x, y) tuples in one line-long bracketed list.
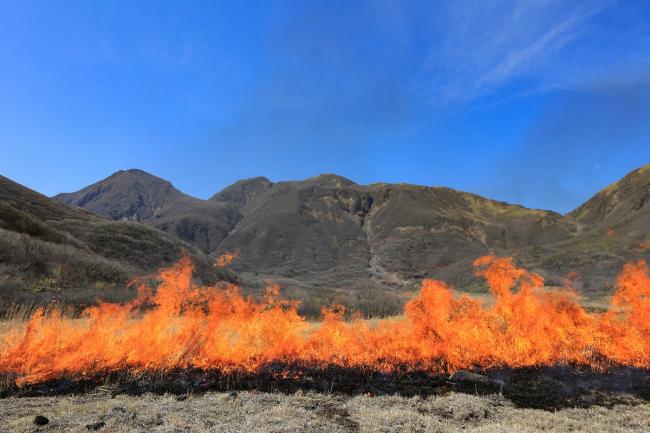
[(181, 338)]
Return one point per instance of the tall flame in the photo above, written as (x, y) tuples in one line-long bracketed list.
[(183, 326)]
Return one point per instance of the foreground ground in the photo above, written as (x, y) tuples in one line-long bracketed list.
[(307, 412)]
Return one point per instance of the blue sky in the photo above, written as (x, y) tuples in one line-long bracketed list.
[(535, 102)]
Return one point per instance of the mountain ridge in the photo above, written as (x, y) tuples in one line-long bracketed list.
[(140, 196), (327, 230), (52, 251)]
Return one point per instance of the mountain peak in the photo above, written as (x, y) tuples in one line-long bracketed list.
[(331, 179), (620, 201), (126, 194), (134, 173), (243, 191), (327, 229)]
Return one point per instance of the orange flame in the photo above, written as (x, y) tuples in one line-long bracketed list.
[(220, 329), (225, 259)]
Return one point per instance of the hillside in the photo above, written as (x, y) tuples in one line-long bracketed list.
[(613, 228), (49, 250), (139, 196), (623, 206), (330, 233), (242, 192)]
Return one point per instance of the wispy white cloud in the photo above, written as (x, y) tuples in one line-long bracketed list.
[(536, 50), (533, 46)]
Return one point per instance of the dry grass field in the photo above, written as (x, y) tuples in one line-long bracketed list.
[(303, 411), (109, 409), (307, 412)]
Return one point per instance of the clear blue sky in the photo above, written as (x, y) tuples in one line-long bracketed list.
[(536, 102)]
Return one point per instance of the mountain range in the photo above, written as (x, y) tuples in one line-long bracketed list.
[(329, 233)]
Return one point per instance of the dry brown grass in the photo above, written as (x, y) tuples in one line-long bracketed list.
[(308, 412), (301, 412)]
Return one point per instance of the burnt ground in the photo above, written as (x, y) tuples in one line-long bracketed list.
[(547, 388)]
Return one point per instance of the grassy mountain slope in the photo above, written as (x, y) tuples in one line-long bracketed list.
[(54, 250), (242, 192), (327, 232), (613, 228)]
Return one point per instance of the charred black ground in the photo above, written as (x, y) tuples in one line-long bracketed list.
[(548, 388)]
